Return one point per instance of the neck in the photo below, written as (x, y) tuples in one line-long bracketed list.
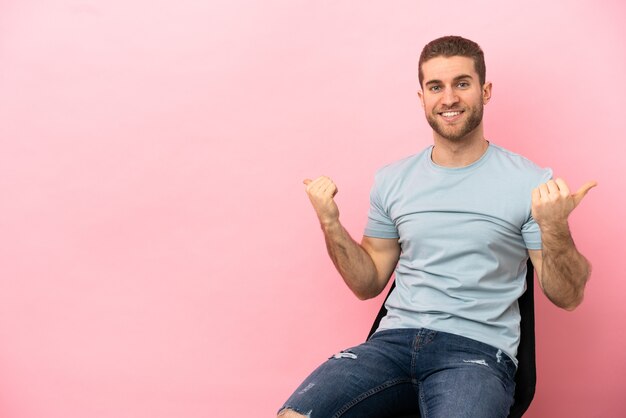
[(461, 152)]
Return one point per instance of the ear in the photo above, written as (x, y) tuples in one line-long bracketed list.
[(487, 92), (420, 94)]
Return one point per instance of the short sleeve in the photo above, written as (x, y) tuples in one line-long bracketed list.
[(379, 223), (530, 230)]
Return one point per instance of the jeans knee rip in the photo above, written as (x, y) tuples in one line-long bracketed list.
[(345, 354), (309, 386), (481, 362), (288, 408)]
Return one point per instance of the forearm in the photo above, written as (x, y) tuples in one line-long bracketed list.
[(564, 270), (353, 263)]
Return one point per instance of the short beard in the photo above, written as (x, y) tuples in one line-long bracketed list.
[(470, 124)]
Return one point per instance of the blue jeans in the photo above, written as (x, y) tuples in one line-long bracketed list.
[(404, 370)]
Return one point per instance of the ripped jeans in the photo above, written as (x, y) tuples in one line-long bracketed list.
[(401, 371)]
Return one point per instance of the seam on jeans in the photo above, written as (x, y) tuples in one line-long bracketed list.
[(415, 349), (422, 404), (423, 337), (369, 393)]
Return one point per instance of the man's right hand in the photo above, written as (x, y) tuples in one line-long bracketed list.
[(321, 192), (365, 267)]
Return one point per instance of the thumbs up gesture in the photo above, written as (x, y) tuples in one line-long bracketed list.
[(552, 202), (321, 192)]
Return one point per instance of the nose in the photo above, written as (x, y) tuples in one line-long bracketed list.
[(449, 97)]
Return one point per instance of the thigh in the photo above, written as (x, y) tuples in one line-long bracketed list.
[(466, 378), (370, 380)]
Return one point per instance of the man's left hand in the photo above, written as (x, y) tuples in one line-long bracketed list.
[(552, 202)]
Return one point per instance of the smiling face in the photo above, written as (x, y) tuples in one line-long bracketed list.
[(453, 97)]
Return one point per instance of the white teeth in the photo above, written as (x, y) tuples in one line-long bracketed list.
[(450, 114)]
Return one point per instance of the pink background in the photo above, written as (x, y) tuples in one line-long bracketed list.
[(158, 255)]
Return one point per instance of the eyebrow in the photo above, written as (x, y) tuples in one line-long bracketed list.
[(457, 78)]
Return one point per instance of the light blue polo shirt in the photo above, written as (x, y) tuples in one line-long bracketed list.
[(464, 234)]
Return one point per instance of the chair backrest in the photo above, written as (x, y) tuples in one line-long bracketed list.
[(526, 376)]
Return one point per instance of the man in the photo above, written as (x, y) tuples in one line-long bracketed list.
[(457, 222)]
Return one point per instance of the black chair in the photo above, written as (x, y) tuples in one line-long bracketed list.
[(526, 377)]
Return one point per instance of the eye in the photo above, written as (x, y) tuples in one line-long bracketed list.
[(463, 85), (435, 88)]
